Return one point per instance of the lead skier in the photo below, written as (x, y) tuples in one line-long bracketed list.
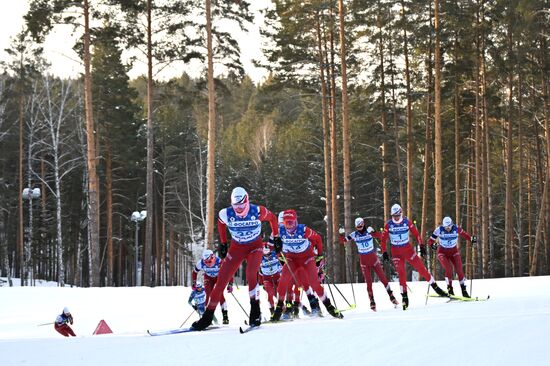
[(244, 222)]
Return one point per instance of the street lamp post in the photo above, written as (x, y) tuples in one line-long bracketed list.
[(28, 194), (137, 217)]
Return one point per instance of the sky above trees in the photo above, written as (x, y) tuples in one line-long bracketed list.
[(65, 62)]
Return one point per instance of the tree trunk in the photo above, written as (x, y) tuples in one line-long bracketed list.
[(438, 199), (326, 136), (172, 260), (109, 211), (93, 185), (148, 247), (428, 140), (338, 250), (385, 170), (488, 258), (410, 138), (479, 196), (19, 266), (521, 176), (457, 155), (211, 179), (508, 215), (345, 130)]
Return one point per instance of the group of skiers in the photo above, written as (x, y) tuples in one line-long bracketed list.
[(293, 259)]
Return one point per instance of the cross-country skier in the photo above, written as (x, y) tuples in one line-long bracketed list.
[(398, 229), (448, 252), (363, 238), (62, 322), (270, 273), (210, 264), (197, 298), (296, 244), (244, 222)]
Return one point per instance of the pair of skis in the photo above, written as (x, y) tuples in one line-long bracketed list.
[(461, 298), (177, 331)]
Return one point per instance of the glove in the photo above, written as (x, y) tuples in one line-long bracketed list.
[(195, 307), (474, 240), (278, 244), (222, 250), (385, 257), (422, 250), (370, 229), (341, 231), (321, 275), (194, 286), (434, 245), (320, 261), (230, 287)]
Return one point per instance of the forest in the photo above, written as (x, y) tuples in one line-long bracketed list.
[(441, 106)]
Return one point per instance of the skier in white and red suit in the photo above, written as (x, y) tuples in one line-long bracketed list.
[(296, 246), (448, 252), (398, 229), (270, 273), (244, 222), (210, 264), (363, 238)]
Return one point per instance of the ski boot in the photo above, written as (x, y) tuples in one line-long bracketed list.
[(392, 298), (405, 300), (372, 303), (332, 310), (450, 290), (295, 309), (287, 314), (255, 318), (225, 317), (271, 310), (439, 291), (464, 292), (278, 312), (305, 310), (204, 321), (314, 303)]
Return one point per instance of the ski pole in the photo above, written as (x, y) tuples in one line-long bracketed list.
[(40, 325), (433, 267), (290, 270), (472, 278), (336, 287), (351, 279), (185, 321), (239, 304)]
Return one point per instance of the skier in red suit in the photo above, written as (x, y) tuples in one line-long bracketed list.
[(210, 264), (62, 322), (296, 244), (398, 229), (244, 222), (448, 252), (363, 238)]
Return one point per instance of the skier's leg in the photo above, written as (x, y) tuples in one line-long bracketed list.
[(447, 266), (254, 259)]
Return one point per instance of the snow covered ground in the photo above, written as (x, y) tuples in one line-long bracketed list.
[(512, 328)]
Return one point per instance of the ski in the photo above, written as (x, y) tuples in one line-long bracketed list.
[(176, 331), (462, 298), (248, 329)]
